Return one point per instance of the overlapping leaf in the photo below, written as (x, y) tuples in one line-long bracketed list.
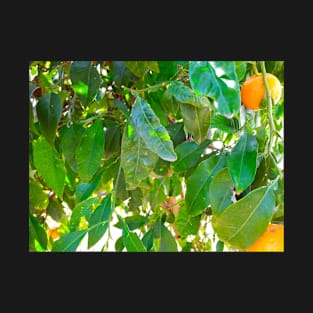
[(136, 159), (152, 132)]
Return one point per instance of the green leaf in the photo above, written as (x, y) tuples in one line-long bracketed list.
[(119, 244), (221, 191), (131, 240), (70, 139), (120, 73), (83, 191), (242, 162), (153, 133), (140, 68), (49, 112), (184, 94), (198, 183), (133, 221), (136, 159), (90, 151), (241, 67), (167, 241), (112, 141), (80, 210), (157, 193), (228, 125), (217, 80), (37, 197), (85, 80), (36, 233), (169, 103), (244, 221), (187, 224), (196, 121), (176, 132), (69, 242), (99, 221), (147, 239), (220, 246), (49, 165), (135, 200), (188, 154)]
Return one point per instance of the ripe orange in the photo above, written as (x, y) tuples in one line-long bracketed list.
[(253, 90), (272, 240)]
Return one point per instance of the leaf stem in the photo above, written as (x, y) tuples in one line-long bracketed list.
[(269, 108), (150, 88)]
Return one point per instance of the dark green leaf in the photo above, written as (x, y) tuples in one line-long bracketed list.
[(140, 68), (176, 132), (36, 233), (133, 221), (120, 73), (188, 153), (70, 139), (85, 80), (37, 197), (69, 242), (80, 210), (99, 221), (131, 240), (220, 246), (120, 186), (136, 159), (169, 103), (135, 199), (49, 112), (83, 191), (228, 125), (153, 133), (218, 80), (90, 151), (119, 244), (186, 224), (244, 221), (49, 165), (221, 191), (56, 211), (147, 239), (157, 193), (241, 162), (112, 141), (198, 183), (241, 67), (184, 94), (196, 121)]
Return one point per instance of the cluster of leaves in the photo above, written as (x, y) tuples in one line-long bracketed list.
[(115, 140)]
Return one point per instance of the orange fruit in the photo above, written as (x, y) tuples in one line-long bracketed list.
[(272, 240), (53, 233), (253, 90)]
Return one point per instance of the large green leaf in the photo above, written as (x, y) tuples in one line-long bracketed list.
[(70, 139), (187, 224), (131, 239), (242, 162), (90, 151), (99, 221), (176, 132), (49, 165), (188, 154), (153, 133), (198, 183), (112, 141), (81, 209), (218, 80), (221, 191), (49, 112), (69, 242), (196, 121), (85, 80), (244, 221), (36, 233), (136, 159), (184, 94)]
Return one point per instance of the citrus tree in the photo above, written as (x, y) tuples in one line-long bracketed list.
[(156, 156)]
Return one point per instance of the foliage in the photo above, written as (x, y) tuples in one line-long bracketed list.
[(161, 153)]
